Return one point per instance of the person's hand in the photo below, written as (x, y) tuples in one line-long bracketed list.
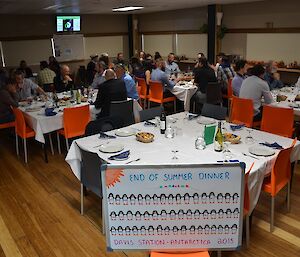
[(67, 78), (276, 76)]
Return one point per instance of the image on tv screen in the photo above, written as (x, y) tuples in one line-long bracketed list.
[(68, 23)]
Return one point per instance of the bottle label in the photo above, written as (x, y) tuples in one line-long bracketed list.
[(163, 125), (217, 146)]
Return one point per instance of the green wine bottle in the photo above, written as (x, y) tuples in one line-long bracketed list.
[(218, 144)]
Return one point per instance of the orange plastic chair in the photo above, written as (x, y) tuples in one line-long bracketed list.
[(279, 121), (196, 254), (22, 130), (229, 94), (242, 111), (7, 125), (156, 94), (247, 204), (279, 178), (75, 120), (142, 90)]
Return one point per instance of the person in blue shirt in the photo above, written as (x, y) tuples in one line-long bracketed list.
[(241, 68), (272, 76), (129, 82), (171, 66)]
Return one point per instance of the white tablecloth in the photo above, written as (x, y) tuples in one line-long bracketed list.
[(184, 92), (160, 151)]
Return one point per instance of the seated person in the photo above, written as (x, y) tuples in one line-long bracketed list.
[(91, 69), (203, 74), (99, 76), (171, 66), (241, 68), (255, 87), (8, 99), (25, 87), (45, 76), (225, 73), (119, 59), (63, 82), (111, 90), (129, 82), (25, 69), (159, 74), (272, 76)]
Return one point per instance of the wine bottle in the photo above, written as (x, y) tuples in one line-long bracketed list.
[(163, 124), (218, 144), (78, 97)]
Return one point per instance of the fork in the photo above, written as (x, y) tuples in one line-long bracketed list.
[(251, 156), (133, 160)]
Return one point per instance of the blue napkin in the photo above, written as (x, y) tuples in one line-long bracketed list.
[(274, 145), (149, 123), (50, 112), (104, 135), (236, 127), (120, 157), (192, 116)]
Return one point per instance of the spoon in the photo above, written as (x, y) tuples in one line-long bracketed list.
[(133, 160)]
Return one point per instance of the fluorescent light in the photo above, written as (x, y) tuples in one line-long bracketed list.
[(53, 7), (127, 8)]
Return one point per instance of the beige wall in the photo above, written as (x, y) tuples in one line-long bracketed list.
[(235, 44)]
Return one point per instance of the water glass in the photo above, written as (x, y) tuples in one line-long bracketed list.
[(200, 143), (170, 132), (249, 139)]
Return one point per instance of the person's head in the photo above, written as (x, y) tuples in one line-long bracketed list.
[(258, 70), (171, 57), (10, 85), (203, 62), (120, 56), (65, 70), (225, 60), (200, 55), (134, 60), (271, 67), (157, 55), (148, 57), (109, 74), (23, 64), (120, 70), (104, 58), (142, 55), (94, 57), (160, 64), (241, 66), (19, 76), (43, 65), (220, 57), (100, 67), (148, 65)]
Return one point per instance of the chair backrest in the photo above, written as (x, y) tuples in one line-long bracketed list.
[(151, 113), (103, 124), (281, 172), (214, 111), (214, 93), (142, 87), (123, 109), (90, 173), (20, 124), (75, 120), (7, 125), (242, 111), (156, 91), (279, 121)]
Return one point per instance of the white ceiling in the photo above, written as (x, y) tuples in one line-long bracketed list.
[(101, 6)]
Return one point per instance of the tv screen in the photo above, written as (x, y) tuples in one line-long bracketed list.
[(67, 23)]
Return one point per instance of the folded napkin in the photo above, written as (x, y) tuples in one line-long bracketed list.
[(104, 135), (274, 145), (192, 116), (50, 112), (150, 123), (236, 127), (121, 156)]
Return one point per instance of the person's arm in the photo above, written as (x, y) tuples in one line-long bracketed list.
[(177, 68), (268, 98), (169, 83), (9, 99), (100, 98), (148, 76)]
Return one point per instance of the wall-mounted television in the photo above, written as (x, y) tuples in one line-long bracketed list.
[(68, 23)]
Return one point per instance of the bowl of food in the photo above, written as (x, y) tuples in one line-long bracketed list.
[(232, 138), (144, 137)]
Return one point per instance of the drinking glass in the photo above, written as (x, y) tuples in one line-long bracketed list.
[(227, 154), (249, 139), (200, 142), (174, 154)]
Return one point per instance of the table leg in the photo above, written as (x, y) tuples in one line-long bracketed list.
[(45, 152)]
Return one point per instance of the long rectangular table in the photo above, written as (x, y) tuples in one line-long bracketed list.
[(160, 151)]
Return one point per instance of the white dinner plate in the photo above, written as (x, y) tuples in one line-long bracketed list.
[(111, 148), (261, 150), (33, 109), (125, 132), (205, 120), (294, 105), (172, 119)]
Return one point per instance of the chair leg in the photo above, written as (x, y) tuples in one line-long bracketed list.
[(272, 214), (17, 144), (25, 150), (289, 196), (58, 143), (67, 144), (247, 231), (51, 144), (81, 198)]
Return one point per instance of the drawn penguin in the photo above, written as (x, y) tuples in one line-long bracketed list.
[(206, 229), (138, 216), (151, 231), (213, 214), (167, 231), (175, 230), (127, 231), (120, 231), (155, 199), (129, 215), (226, 229), (228, 214), (186, 198), (204, 198), (162, 199), (220, 214), (227, 198), (111, 198), (220, 229), (125, 199), (132, 199), (234, 228), (140, 199), (211, 197), (170, 199), (213, 229), (197, 214), (183, 230), (196, 198), (178, 199), (113, 215), (192, 230), (113, 231), (159, 230), (135, 230), (236, 213), (189, 214), (155, 215), (118, 200), (148, 199), (172, 215), (200, 230), (146, 215), (181, 214), (163, 215), (121, 215), (220, 198), (143, 231), (235, 198)]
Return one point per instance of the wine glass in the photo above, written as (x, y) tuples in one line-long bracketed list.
[(227, 154), (174, 154), (249, 139)]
